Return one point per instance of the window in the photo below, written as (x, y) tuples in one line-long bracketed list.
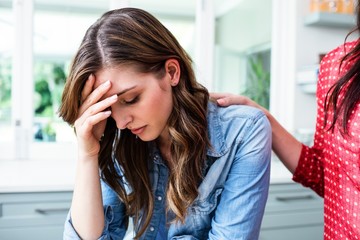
[(6, 47), (29, 124), (243, 56), (257, 85), (184, 31), (54, 47), (57, 32)]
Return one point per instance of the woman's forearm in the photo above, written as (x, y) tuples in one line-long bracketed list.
[(285, 145), (87, 212)]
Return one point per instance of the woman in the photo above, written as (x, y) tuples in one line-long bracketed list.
[(332, 166), (178, 165)]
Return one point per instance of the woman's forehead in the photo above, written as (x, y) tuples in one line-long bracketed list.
[(107, 74)]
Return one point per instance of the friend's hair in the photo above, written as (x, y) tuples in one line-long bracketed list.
[(349, 85), (133, 37)]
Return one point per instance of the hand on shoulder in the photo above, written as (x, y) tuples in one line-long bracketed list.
[(227, 99)]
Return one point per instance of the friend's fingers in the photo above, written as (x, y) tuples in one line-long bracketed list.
[(216, 96), (224, 99), (234, 100), (224, 102), (227, 99)]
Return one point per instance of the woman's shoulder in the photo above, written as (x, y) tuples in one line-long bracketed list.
[(339, 52), (332, 67), (234, 111), (232, 124)]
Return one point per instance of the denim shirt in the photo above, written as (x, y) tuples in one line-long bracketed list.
[(232, 195)]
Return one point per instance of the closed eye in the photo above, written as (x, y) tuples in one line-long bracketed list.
[(132, 101)]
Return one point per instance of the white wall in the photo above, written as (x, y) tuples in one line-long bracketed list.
[(246, 26), (310, 42), (294, 46), (242, 30)]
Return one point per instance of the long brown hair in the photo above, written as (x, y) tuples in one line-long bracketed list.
[(349, 85), (134, 37)]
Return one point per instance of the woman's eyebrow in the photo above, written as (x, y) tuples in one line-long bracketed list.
[(125, 90)]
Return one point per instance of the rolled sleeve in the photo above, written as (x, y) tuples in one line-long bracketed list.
[(69, 230), (116, 220), (310, 170)]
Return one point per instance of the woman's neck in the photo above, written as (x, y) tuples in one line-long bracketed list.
[(164, 147)]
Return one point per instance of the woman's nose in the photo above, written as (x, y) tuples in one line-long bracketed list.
[(122, 120)]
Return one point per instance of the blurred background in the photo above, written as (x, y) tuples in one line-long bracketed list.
[(268, 50), (229, 43)]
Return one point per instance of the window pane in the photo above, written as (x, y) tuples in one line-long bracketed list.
[(258, 77), (49, 81), (184, 31), (7, 35), (54, 46)]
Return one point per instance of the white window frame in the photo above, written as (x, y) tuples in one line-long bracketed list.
[(22, 146)]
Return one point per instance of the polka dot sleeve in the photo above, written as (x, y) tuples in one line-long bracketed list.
[(332, 166), (310, 171)]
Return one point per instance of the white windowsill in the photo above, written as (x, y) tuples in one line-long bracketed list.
[(36, 175), (55, 175)]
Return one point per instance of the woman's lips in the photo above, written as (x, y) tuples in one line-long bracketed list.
[(137, 131)]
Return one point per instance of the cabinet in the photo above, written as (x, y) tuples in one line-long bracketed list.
[(306, 78), (292, 212), (33, 215), (307, 75), (325, 19)]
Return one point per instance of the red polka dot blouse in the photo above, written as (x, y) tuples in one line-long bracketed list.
[(332, 166)]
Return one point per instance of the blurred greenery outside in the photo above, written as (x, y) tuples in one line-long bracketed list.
[(54, 44), (49, 82), (258, 78), (50, 78), (5, 86)]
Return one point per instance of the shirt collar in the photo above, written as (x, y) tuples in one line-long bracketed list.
[(216, 136)]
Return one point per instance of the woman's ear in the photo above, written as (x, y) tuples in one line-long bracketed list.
[(172, 68)]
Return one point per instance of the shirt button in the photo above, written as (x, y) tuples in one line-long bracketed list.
[(152, 229), (159, 198)]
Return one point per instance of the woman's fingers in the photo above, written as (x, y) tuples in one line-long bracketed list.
[(88, 87), (94, 96), (97, 109), (92, 121), (93, 112), (85, 127), (97, 93)]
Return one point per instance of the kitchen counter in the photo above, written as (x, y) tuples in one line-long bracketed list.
[(51, 175), (279, 173), (36, 176)]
